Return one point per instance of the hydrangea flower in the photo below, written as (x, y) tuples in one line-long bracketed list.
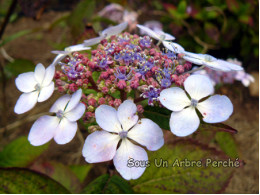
[(184, 119), (245, 78), (68, 51), (211, 62), (61, 127), (122, 124), (108, 32), (36, 86), (158, 34), (174, 47)]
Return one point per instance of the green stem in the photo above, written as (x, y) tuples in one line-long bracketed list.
[(7, 18)]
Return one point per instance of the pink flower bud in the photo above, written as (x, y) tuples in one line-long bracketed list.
[(134, 84), (102, 101), (92, 65), (187, 65), (88, 73), (111, 103), (79, 82), (92, 102), (121, 84), (174, 78), (180, 69), (117, 102), (61, 89), (73, 87), (105, 90), (140, 109), (104, 75)]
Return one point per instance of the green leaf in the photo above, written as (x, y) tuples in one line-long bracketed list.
[(14, 36), (83, 11), (60, 173), (19, 66), (161, 116), (81, 171), (20, 153), (22, 181), (186, 178), (182, 7), (108, 185), (227, 144)]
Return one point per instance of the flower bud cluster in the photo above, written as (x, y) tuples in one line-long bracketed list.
[(122, 65)]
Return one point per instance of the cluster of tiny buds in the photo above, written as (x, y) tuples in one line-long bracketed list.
[(121, 65)]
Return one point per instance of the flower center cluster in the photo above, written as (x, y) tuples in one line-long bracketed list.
[(37, 87), (60, 114), (194, 102), (123, 134), (209, 58)]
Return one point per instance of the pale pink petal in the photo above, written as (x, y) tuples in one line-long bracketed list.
[(76, 113), (184, 122), (174, 98), (193, 60), (93, 41), (126, 114), (169, 37), (198, 86), (43, 130), (149, 32), (231, 66), (114, 30), (49, 74), (147, 133), (215, 109), (46, 92), (60, 52), (215, 65), (39, 73), (26, 102), (100, 146), (58, 58), (79, 47), (174, 47), (65, 131), (74, 100), (106, 117), (60, 103), (26, 82), (125, 152)]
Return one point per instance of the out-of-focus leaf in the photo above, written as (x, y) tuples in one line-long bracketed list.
[(227, 144), (23, 181), (18, 66), (212, 31), (82, 13), (108, 185), (81, 171), (59, 173), (185, 179), (161, 116), (182, 7), (20, 153), (14, 36)]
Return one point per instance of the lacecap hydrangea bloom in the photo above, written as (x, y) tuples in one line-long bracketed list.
[(124, 125), (61, 127), (108, 88), (184, 119)]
